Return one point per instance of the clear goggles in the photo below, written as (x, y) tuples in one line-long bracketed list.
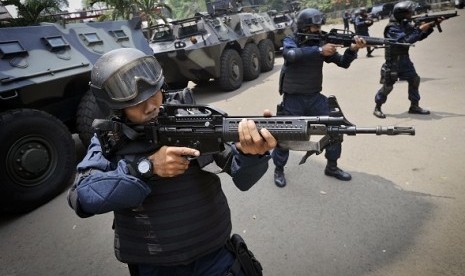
[(132, 79)]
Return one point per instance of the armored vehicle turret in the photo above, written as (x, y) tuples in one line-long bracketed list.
[(44, 98), (229, 43)]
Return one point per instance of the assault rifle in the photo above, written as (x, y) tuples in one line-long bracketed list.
[(207, 129), (427, 18), (337, 36)]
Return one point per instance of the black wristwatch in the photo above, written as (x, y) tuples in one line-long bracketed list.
[(144, 168)]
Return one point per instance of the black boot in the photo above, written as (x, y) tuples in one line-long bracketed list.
[(369, 51), (332, 170), (279, 178), (416, 109), (378, 113)]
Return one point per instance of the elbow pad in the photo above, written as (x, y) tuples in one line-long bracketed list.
[(109, 191), (292, 55)]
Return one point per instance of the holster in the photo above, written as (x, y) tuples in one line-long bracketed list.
[(387, 74), (249, 264), (280, 111)]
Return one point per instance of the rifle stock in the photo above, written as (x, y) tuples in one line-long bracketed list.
[(206, 128)]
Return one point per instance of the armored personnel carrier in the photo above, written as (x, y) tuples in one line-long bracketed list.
[(230, 43), (44, 97), (284, 22)]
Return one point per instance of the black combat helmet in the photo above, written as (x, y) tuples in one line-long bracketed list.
[(308, 17), (125, 77), (402, 9)]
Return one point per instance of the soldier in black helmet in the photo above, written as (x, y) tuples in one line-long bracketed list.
[(398, 64), (362, 23), (346, 19), (301, 84), (171, 217)]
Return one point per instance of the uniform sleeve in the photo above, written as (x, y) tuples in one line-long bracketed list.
[(100, 188), (399, 35), (344, 60), (247, 169), (359, 22), (292, 53)]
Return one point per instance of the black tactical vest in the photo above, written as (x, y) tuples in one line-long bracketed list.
[(184, 218), (392, 52), (302, 77)]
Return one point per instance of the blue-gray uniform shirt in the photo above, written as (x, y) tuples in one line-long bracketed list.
[(111, 187), (166, 221), (404, 32), (302, 72)]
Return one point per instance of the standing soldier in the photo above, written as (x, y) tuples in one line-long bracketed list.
[(398, 64), (362, 23), (345, 19), (301, 84)]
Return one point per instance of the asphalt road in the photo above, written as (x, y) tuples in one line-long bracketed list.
[(402, 213)]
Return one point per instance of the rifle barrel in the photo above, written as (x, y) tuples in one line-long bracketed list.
[(378, 130)]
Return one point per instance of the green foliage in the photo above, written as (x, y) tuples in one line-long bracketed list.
[(122, 9), (322, 5), (335, 5), (278, 5), (153, 11), (32, 12), (150, 10), (186, 8), (35, 11)]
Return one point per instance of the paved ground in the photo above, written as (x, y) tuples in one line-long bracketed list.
[(402, 214)]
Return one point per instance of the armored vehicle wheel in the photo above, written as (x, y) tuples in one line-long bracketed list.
[(88, 110), (267, 56), (37, 159), (231, 71), (251, 61)]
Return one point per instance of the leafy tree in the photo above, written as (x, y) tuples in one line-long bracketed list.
[(186, 8), (91, 3), (122, 9), (35, 11), (152, 11)]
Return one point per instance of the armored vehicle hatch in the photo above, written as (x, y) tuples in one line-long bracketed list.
[(285, 26)]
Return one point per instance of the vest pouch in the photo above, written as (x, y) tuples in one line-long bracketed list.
[(280, 111), (249, 264)]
